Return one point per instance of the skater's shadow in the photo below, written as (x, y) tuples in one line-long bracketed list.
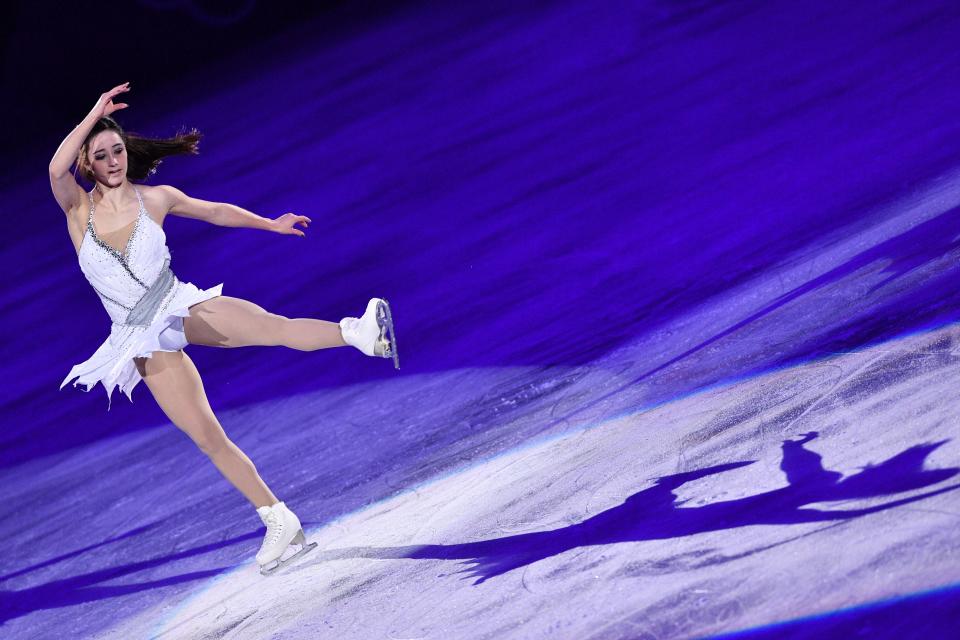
[(655, 513), (89, 587)]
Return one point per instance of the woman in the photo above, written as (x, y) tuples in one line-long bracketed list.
[(155, 315)]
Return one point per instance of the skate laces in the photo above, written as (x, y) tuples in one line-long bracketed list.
[(274, 527)]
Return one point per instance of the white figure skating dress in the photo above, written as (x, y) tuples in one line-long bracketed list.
[(145, 301)]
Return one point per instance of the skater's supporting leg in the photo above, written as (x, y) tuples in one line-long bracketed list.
[(232, 322), (176, 385)]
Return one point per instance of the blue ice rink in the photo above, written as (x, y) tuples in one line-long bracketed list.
[(676, 294)]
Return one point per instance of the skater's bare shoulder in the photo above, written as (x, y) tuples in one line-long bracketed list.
[(173, 200)]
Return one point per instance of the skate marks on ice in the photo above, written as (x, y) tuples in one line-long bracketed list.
[(693, 517), (94, 586), (889, 280)]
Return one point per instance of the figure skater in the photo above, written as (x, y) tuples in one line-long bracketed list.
[(155, 315)]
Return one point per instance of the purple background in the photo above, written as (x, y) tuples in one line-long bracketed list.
[(534, 186)]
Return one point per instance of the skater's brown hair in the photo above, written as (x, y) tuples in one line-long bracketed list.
[(144, 154)]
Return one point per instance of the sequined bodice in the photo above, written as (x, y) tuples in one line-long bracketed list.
[(121, 279)]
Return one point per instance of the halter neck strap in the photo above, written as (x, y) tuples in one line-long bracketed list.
[(92, 204)]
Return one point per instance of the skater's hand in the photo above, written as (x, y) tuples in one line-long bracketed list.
[(286, 223), (105, 105)]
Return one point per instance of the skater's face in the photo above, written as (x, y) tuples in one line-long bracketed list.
[(107, 157)]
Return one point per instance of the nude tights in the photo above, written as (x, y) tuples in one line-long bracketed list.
[(176, 385)]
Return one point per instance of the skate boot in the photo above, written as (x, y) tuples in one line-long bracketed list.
[(373, 332), (283, 529)]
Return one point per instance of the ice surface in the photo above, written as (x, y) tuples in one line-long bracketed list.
[(746, 504), (676, 289)]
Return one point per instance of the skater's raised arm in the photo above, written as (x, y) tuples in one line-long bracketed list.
[(65, 188), (227, 215)]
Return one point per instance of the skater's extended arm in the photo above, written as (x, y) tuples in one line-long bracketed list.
[(65, 188), (227, 215)]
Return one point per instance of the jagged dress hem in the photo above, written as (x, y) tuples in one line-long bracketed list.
[(112, 363)]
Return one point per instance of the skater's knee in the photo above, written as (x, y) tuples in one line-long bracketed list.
[(210, 439), (213, 446), (275, 323), (271, 329)]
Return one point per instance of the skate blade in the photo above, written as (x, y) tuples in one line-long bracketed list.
[(385, 320), (277, 565)]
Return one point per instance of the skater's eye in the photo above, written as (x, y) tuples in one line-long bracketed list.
[(100, 154)]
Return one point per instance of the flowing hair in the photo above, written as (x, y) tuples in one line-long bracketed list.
[(144, 154)]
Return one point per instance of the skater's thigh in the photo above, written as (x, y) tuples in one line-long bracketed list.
[(175, 383), (225, 321)]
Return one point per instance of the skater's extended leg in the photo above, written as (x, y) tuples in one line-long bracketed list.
[(175, 383), (232, 322)]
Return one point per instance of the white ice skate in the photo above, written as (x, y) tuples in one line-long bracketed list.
[(283, 530), (372, 333)]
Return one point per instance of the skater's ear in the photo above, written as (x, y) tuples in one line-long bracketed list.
[(83, 164)]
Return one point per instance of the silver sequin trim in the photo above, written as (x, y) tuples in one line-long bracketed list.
[(106, 297), (121, 257)]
